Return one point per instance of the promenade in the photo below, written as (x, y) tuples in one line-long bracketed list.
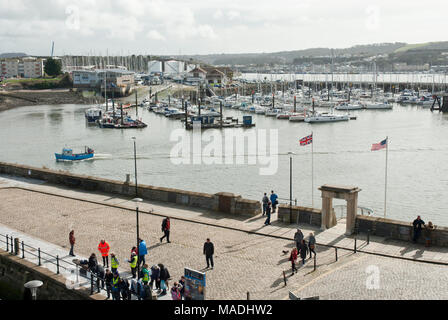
[(248, 255)]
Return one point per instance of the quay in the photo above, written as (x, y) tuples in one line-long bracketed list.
[(248, 257)]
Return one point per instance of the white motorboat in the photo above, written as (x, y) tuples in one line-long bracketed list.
[(297, 117), (272, 112), (325, 117), (349, 106), (378, 105)]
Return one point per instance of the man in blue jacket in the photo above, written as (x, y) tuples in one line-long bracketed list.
[(274, 201), (142, 251)]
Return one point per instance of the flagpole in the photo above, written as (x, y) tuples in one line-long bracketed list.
[(385, 182), (312, 169)]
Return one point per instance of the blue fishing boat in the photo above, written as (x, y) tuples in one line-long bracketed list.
[(68, 155)]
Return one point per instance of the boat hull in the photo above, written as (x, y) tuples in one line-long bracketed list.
[(74, 157)]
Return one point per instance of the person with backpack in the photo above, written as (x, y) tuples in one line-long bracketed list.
[(166, 229)]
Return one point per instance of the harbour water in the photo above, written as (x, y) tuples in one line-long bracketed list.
[(418, 156)]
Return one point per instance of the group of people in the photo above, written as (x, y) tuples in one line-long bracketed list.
[(269, 206), (302, 248), (418, 225), (144, 278)]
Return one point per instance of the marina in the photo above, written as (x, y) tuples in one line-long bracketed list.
[(342, 154)]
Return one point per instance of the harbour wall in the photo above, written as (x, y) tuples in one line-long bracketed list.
[(15, 272), (221, 202)]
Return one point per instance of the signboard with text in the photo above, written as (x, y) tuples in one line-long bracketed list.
[(194, 284)]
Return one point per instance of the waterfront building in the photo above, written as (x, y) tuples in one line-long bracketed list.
[(28, 67)]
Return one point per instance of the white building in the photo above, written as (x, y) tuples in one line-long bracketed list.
[(24, 68), (155, 66), (174, 67)]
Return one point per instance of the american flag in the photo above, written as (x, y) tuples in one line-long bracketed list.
[(379, 146), (307, 140)]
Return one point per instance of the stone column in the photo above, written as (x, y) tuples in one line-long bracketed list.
[(327, 206), (352, 208)]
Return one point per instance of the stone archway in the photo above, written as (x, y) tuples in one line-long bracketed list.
[(348, 193)]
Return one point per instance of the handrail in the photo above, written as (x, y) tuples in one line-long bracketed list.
[(10, 242)]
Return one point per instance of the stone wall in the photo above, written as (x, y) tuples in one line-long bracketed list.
[(237, 205), (398, 230), (15, 272), (306, 215)]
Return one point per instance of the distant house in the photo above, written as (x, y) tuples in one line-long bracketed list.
[(196, 76), (120, 80), (215, 77)]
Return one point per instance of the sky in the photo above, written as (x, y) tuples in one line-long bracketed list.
[(172, 27)]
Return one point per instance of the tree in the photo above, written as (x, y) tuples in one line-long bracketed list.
[(53, 67)]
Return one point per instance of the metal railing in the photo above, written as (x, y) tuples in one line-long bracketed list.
[(14, 246)]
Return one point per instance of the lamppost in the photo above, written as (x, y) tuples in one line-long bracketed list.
[(135, 164), (290, 184), (137, 200)]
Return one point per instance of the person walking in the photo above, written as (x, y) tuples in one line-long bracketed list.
[(209, 250), (298, 237), (146, 274), (133, 264), (166, 229), (312, 244), (274, 201), (417, 224), (72, 239), (108, 278), (268, 214), (114, 263), (142, 251), (265, 202), (293, 259), (104, 248), (303, 251)]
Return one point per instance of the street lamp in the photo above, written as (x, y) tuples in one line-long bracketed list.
[(135, 164), (137, 200)]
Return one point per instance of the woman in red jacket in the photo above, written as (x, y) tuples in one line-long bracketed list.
[(293, 259)]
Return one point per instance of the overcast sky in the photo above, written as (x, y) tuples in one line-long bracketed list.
[(201, 27)]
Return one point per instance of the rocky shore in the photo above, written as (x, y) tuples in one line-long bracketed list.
[(20, 98)]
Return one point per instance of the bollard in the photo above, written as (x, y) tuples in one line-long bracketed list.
[(284, 277), (91, 283), (7, 243), (12, 244), (38, 255), (336, 253), (23, 250), (355, 246), (315, 262), (16, 246), (368, 236), (248, 296), (57, 264)]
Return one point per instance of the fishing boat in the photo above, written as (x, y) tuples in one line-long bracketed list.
[(68, 155)]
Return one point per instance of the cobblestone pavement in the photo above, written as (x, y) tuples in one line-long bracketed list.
[(243, 262), (373, 277)]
